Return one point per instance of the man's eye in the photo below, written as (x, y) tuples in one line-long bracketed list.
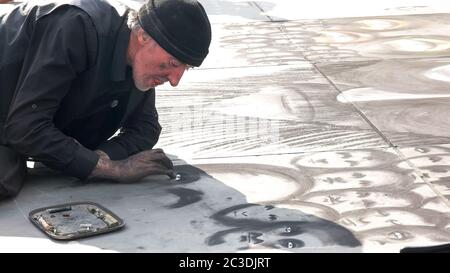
[(176, 64)]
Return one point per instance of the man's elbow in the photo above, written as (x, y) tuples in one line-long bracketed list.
[(14, 134), (19, 136)]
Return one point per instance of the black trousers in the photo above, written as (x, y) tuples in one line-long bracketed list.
[(13, 170)]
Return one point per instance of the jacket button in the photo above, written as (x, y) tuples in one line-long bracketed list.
[(114, 103)]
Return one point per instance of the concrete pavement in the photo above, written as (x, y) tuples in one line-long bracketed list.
[(311, 127)]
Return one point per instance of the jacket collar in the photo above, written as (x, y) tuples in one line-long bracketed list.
[(119, 61)]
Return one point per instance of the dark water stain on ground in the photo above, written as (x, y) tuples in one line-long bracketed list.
[(186, 197)]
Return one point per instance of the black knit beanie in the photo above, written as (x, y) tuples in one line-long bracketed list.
[(181, 27)]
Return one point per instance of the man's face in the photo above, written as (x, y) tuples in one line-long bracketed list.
[(153, 66)]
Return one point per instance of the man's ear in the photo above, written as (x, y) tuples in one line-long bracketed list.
[(142, 37)]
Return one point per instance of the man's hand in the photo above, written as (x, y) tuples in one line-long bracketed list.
[(135, 167), (143, 164)]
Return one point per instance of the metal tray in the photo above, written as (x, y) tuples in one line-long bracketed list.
[(75, 220)]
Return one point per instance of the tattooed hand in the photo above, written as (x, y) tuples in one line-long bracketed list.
[(135, 167)]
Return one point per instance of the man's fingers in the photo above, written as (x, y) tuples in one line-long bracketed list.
[(171, 174), (167, 162), (159, 168), (162, 158)]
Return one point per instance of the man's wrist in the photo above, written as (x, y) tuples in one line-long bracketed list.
[(106, 168), (102, 154)]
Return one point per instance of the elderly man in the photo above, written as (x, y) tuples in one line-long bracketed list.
[(74, 72)]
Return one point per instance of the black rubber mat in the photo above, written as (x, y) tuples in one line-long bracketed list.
[(445, 248)]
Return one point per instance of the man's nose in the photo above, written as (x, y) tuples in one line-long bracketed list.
[(175, 75)]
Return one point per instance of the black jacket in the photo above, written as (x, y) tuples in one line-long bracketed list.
[(65, 87)]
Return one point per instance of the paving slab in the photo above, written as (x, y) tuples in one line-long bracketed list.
[(322, 9), (371, 38), (371, 192), (366, 200), (394, 69), (406, 99), (250, 45), (254, 111)]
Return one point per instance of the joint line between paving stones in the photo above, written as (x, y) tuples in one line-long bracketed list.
[(385, 138), (422, 176), (253, 3), (287, 153)]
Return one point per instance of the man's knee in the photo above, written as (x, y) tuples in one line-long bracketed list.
[(13, 170)]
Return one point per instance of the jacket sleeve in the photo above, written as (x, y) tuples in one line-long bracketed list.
[(140, 131), (57, 52)]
